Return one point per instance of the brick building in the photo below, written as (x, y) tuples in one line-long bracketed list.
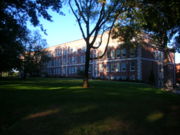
[(178, 72), (142, 62)]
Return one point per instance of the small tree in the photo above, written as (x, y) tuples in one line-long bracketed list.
[(95, 17), (34, 55)]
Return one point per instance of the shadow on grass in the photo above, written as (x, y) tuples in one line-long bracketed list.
[(62, 107)]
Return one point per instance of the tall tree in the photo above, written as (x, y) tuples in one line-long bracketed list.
[(95, 17), (14, 16)]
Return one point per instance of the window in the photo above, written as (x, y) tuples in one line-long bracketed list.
[(112, 54), (81, 68), (73, 59), (118, 67), (69, 70), (84, 59), (161, 55), (108, 67), (118, 53), (123, 66), (113, 67), (60, 62), (56, 62), (81, 59), (64, 61), (76, 59), (132, 66), (109, 53), (75, 69), (123, 77), (132, 77), (156, 54), (124, 52), (132, 52), (70, 60), (65, 51)]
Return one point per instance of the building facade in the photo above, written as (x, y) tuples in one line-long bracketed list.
[(139, 63), (178, 72)]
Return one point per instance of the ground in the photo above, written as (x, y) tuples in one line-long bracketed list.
[(62, 107)]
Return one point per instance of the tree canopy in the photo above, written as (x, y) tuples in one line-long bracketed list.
[(161, 19), (13, 26)]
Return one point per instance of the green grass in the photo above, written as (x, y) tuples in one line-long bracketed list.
[(62, 107)]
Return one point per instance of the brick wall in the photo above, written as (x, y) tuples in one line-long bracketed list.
[(119, 63)]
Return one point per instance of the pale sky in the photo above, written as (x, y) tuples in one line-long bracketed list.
[(64, 29)]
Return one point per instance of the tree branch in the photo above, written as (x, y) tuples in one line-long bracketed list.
[(96, 47), (101, 16), (78, 20), (109, 34), (80, 11)]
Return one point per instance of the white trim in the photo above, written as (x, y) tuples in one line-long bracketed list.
[(115, 60)]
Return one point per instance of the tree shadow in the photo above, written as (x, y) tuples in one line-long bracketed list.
[(69, 109)]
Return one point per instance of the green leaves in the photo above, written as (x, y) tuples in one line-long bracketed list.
[(13, 30), (158, 18)]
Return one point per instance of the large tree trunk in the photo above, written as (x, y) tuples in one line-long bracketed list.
[(86, 72)]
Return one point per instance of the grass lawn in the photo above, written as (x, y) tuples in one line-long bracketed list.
[(61, 107)]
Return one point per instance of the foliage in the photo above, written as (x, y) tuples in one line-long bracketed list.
[(160, 19), (34, 56), (14, 16), (52, 106)]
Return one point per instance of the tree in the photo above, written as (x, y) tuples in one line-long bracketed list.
[(95, 17), (159, 19), (14, 16), (34, 56)]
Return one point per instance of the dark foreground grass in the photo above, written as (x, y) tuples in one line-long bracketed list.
[(62, 107)]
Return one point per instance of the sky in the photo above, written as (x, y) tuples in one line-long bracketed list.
[(64, 28)]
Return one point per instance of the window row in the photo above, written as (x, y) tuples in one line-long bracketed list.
[(119, 77), (119, 67), (64, 61), (66, 51), (65, 70), (111, 53), (121, 53), (109, 67)]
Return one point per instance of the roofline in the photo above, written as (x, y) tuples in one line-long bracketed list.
[(69, 41), (64, 43)]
